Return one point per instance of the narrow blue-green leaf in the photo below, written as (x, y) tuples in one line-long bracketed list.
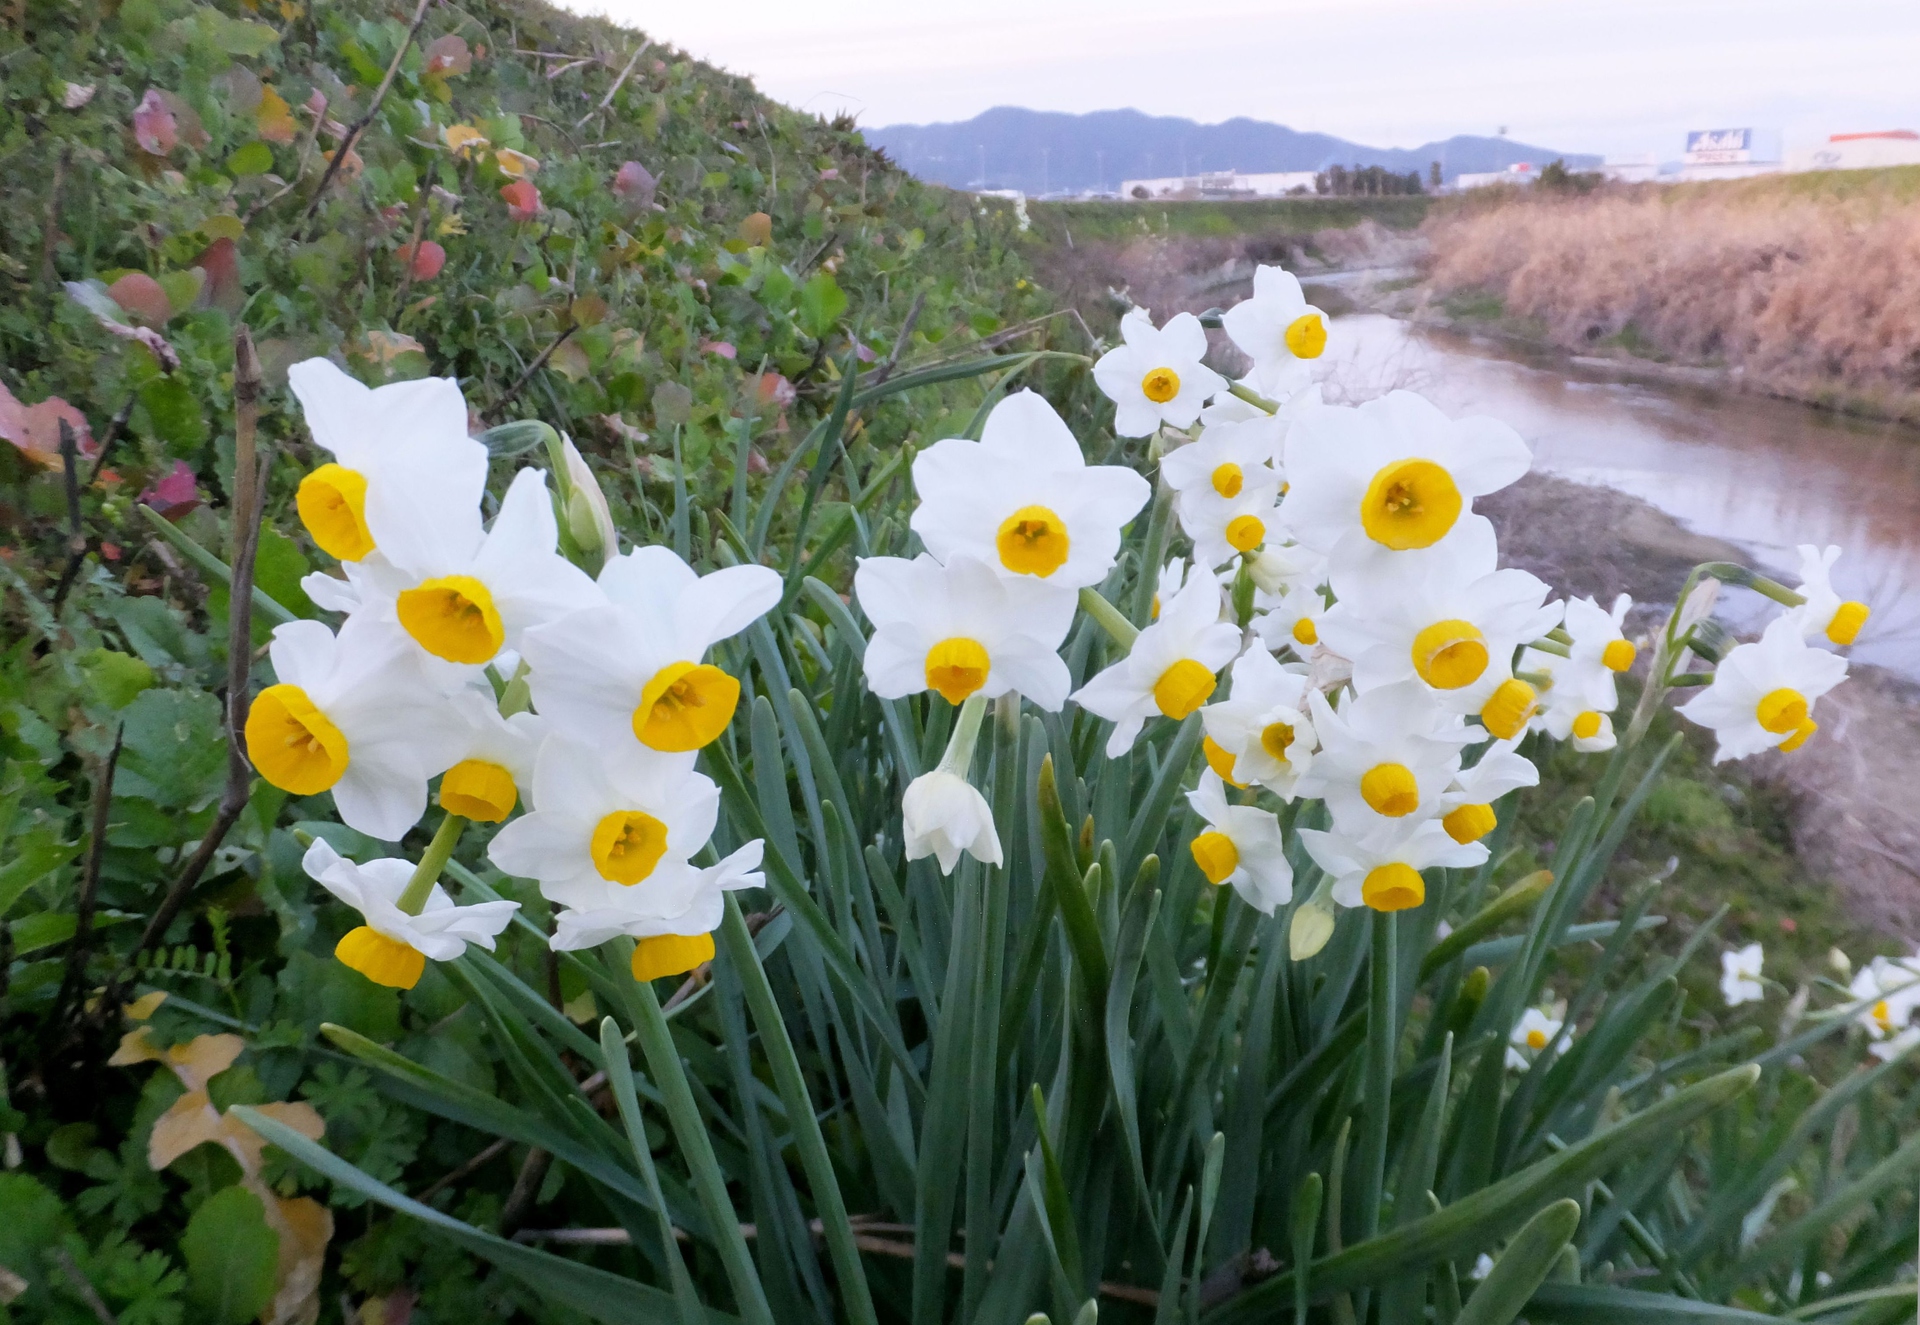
[(1522, 1267), (620, 1078), (1599, 1304)]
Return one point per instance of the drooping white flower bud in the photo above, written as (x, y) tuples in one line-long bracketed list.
[(1311, 928), (944, 816)]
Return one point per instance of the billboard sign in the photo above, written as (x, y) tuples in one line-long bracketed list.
[(1719, 146)]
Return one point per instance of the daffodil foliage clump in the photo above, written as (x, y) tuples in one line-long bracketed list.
[(1121, 865)]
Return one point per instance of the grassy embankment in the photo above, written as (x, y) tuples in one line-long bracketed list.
[(1802, 286)]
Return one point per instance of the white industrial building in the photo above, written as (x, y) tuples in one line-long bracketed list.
[(1219, 184), (1860, 151), (1731, 154), (1520, 172)]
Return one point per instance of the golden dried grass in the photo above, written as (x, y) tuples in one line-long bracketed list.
[(1805, 293)]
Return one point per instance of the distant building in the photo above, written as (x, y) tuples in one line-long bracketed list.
[(1521, 172), (1218, 184), (1731, 154), (1640, 169), (1860, 151)]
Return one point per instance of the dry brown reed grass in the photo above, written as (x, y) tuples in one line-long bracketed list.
[(1807, 295)]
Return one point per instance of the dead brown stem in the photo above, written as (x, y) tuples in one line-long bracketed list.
[(359, 126)]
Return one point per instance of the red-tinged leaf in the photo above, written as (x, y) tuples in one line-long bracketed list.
[(425, 264), (273, 119), (776, 391), (186, 120), (154, 128), (634, 185), (522, 199), (143, 298), (720, 347), (76, 95), (448, 55), (175, 495), (220, 260), (35, 429)]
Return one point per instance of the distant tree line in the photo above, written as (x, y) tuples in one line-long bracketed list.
[(1365, 181)]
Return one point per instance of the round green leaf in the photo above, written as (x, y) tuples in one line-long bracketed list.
[(231, 1256), (256, 158)]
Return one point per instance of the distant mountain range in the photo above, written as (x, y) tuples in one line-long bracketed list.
[(1042, 151)]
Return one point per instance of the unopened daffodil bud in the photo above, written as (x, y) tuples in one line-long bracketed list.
[(1311, 927)]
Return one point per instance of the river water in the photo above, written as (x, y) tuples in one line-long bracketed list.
[(1764, 475)]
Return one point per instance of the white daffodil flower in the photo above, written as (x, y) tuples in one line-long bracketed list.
[(668, 944), (610, 834), (1278, 329), (1024, 499), (1825, 613), (494, 767), (963, 628), (1292, 619), (1295, 393), (1278, 567), (1170, 669), (1391, 478), (1385, 756), (1740, 975), (1167, 584), (943, 816), (1222, 531), (355, 715), (1226, 461), (1466, 808), (1261, 732), (1762, 694), (633, 664), (1241, 846), (1380, 869), (1156, 376), (392, 948), (1443, 627), (464, 593), (1890, 989), (1532, 1034), (1582, 689), (386, 442)]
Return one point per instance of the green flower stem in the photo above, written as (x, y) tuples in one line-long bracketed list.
[(1553, 646), (1122, 631), (439, 851), (966, 731), (1254, 398)]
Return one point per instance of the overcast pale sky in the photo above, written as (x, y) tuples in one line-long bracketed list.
[(1583, 75)]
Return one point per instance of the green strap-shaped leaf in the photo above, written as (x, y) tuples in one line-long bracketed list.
[(1598, 1304), (1523, 1266), (1482, 1218), (610, 1298), (620, 1079)]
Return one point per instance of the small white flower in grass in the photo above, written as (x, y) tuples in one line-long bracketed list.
[(1170, 669), (1226, 530), (1387, 480), (1278, 329), (1241, 846), (633, 665), (1024, 499), (1261, 732), (611, 833), (353, 714), (464, 593), (1762, 694), (1385, 756), (1466, 808), (391, 446), (1482, 1267), (963, 629), (1531, 1035), (942, 815), (1380, 869), (1890, 989), (1740, 975), (494, 769), (392, 948), (1292, 618), (1445, 626), (1825, 613), (1156, 376)]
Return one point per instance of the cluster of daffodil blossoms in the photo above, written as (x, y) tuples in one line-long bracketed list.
[(1884, 994), (1374, 654), (482, 656)]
